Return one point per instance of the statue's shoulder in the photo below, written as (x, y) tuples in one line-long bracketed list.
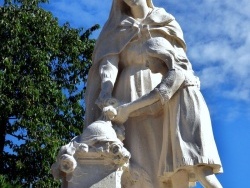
[(162, 13)]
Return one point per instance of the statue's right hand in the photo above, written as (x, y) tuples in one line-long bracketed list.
[(102, 98), (122, 114), (106, 100), (109, 112)]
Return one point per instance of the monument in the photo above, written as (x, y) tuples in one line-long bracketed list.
[(141, 87)]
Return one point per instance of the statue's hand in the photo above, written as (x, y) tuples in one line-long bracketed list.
[(100, 101), (103, 102), (105, 96), (122, 114), (109, 112)]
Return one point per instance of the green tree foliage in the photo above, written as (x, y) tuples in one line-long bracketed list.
[(42, 66), (5, 184)]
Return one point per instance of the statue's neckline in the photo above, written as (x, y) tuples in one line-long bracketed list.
[(142, 19)]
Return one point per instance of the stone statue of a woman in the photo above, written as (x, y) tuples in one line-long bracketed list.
[(136, 33), (189, 152)]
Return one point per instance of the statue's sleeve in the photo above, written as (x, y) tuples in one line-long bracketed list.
[(170, 84)]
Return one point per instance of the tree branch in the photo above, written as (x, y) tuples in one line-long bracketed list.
[(19, 137)]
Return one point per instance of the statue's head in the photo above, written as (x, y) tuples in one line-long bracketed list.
[(120, 7)]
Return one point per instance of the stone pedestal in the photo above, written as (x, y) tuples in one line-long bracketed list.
[(94, 159), (95, 176)]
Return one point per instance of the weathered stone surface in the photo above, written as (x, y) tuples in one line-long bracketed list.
[(92, 159), (142, 80), (96, 176)]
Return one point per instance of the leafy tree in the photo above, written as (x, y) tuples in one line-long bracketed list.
[(43, 67), (5, 184)]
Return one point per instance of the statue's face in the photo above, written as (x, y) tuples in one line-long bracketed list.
[(132, 3)]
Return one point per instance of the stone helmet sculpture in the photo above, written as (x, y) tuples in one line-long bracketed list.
[(99, 131)]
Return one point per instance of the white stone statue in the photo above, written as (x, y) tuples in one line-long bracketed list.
[(167, 124)]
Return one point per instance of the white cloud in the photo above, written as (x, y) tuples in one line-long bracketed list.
[(217, 33), (210, 77)]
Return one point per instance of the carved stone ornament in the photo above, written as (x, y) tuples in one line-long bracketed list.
[(98, 144)]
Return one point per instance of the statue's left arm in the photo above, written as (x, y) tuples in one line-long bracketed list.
[(108, 70), (163, 92)]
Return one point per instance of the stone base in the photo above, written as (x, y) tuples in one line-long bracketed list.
[(92, 159), (94, 176)]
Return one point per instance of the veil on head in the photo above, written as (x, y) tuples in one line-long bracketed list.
[(150, 3), (119, 7)]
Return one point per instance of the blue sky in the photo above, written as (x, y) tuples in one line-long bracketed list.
[(217, 33)]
